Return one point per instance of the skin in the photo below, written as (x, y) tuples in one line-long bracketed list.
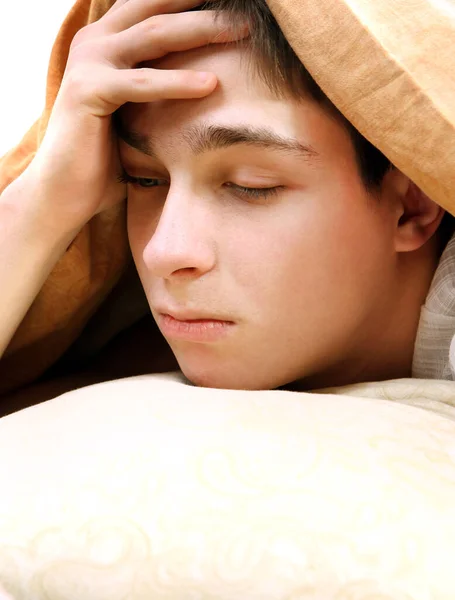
[(323, 281)]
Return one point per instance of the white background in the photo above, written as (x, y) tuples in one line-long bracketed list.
[(27, 32)]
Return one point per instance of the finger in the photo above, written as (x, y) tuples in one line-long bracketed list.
[(162, 35), (115, 6), (126, 13), (150, 85)]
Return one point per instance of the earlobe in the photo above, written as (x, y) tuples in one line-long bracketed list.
[(418, 220)]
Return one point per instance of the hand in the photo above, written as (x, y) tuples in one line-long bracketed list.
[(74, 174)]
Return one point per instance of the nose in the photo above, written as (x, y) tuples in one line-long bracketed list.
[(182, 243)]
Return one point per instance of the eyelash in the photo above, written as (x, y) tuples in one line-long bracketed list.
[(255, 193), (125, 178)]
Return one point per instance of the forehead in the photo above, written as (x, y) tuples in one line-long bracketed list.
[(240, 97)]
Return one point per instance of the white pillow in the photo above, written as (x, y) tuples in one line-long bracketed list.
[(150, 488)]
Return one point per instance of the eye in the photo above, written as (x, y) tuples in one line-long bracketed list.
[(254, 193), (142, 182)]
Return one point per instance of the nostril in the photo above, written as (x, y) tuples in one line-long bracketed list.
[(184, 272)]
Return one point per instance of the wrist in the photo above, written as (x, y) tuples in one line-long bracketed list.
[(27, 208)]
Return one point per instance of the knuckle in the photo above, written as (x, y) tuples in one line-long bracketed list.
[(140, 77), (72, 79), (79, 85), (90, 50), (82, 35), (80, 48)]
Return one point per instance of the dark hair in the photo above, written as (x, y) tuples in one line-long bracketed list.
[(281, 69)]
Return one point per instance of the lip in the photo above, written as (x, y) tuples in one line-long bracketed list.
[(201, 329)]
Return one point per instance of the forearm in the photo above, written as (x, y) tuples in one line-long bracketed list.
[(30, 245)]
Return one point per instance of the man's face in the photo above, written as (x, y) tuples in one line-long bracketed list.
[(300, 265)]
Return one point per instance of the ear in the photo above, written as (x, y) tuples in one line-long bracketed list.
[(417, 217)]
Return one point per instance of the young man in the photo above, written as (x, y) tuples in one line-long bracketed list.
[(274, 244)]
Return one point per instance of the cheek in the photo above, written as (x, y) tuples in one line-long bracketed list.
[(360, 236), (347, 260), (142, 222), (326, 249)]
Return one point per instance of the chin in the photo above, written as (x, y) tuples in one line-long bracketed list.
[(227, 378)]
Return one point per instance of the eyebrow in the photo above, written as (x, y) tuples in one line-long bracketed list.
[(208, 138)]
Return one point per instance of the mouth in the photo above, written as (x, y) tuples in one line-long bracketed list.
[(202, 329)]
